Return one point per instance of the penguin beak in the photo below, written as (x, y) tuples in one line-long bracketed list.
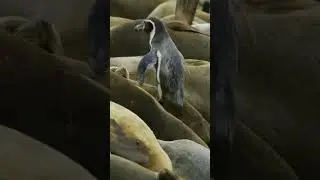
[(139, 27)]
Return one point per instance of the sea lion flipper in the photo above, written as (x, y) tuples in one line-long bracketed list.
[(148, 60), (186, 10)]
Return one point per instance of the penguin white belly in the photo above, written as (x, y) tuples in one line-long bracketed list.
[(158, 74)]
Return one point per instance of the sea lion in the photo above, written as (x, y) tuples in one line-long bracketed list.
[(121, 71), (204, 28), (277, 7), (124, 126), (10, 23), (168, 8), (133, 9), (197, 82), (43, 34), (61, 13), (277, 88), (22, 157), (190, 160), (191, 117), (170, 18), (49, 93), (164, 125), (262, 161), (123, 169), (116, 21), (192, 45)]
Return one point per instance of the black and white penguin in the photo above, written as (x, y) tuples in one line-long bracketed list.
[(168, 61)]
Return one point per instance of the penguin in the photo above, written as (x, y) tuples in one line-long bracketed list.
[(97, 29), (168, 61)]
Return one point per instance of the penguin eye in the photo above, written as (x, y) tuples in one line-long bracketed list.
[(148, 27)]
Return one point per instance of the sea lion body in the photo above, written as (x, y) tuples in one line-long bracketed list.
[(132, 126), (22, 157), (189, 159), (123, 169), (42, 34), (197, 80), (163, 124), (116, 21), (168, 8), (10, 23), (133, 9), (61, 13), (125, 42)]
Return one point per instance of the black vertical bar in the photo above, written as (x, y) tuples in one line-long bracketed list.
[(98, 29), (224, 58)]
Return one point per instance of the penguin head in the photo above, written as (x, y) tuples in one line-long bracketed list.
[(154, 27), (150, 24)]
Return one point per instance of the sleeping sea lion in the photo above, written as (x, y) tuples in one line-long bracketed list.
[(278, 85), (43, 34), (10, 23), (168, 8), (125, 42), (116, 21), (164, 125), (190, 160), (280, 6), (260, 159), (191, 117), (123, 169), (128, 133), (121, 71), (61, 13), (197, 82), (133, 9), (22, 157), (51, 94)]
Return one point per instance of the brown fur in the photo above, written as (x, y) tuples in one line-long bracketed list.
[(123, 169), (133, 9), (22, 157), (124, 41), (40, 89), (191, 117), (116, 21), (163, 124), (278, 84), (10, 23), (43, 34)]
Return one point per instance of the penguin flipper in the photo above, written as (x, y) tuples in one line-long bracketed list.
[(150, 59)]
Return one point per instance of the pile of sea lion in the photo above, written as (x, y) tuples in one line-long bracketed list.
[(48, 95), (172, 142)]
